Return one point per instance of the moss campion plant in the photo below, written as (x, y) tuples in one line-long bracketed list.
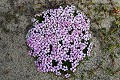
[(59, 40)]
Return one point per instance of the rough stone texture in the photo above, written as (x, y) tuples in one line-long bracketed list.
[(16, 64)]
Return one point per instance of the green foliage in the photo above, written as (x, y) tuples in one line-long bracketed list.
[(40, 18)]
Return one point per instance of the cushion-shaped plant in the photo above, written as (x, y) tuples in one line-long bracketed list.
[(59, 39)]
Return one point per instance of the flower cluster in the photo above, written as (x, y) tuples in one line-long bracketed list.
[(59, 39)]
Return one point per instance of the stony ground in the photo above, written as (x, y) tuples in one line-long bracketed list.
[(16, 64)]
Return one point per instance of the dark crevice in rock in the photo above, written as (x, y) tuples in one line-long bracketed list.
[(8, 58), (27, 76), (9, 16), (3, 46), (52, 4), (30, 26), (6, 30), (5, 72)]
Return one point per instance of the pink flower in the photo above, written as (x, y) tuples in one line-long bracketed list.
[(59, 39), (67, 75)]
